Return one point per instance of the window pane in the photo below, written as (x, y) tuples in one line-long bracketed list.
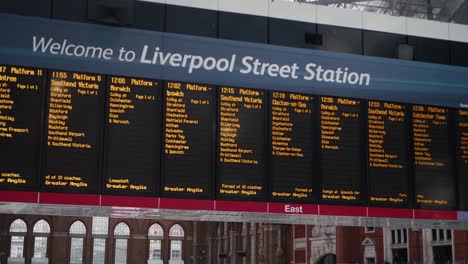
[(121, 230), (76, 251), (99, 250), (78, 228), (155, 230), (405, 236), (40, 247), (393, 237), (155, 250), (41, 227), (18, 226), (120, 251), (100, 225), (449, 234), (17, 244), (434, 235), (176, 250), (399, 236), (176, 231), (441, 234)]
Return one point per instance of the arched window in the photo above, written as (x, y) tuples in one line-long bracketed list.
[(121, 235), (18, 231), (176, 235), (155, 236), (41, 232), (77, 234)]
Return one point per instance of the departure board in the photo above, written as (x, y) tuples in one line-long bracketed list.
[(462, 156), (341, 150), (387, 165), (75, 122), (132, 137), (188, 140), (292, 173), (242, 126), (21, 112), (434, 179)]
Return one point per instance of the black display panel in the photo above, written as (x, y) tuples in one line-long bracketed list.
[(388, 175), (292, 173), (132, 137), (462, 157), (433, 168), (21, 114), (75, 122), (188, 140), (341, 150), (242, 130)]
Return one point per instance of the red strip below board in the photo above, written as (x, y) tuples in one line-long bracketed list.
[(235, 206), (129, 201), (18, 197), (69, 199), (186, 204), (342, 210), (435, 214), (287, 208), (390, 212)]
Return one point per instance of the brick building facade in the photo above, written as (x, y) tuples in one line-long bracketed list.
[(67, 239)]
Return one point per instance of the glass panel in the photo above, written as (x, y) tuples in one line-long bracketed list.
[(76, 250), (120, 251), (100, 225), (99, 250), (17, 246), (442, 254), (176, 250), (441, 234), (400, 255), (78, 228), (121, 230), (393, 237), (41, 227), (449, 234), (154, 249), (176, 231), (155, 230), (405, 236), (399, 236), (40, 247), (434, 234), (18, 226)]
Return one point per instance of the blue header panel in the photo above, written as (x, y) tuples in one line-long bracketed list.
[(102, 49)]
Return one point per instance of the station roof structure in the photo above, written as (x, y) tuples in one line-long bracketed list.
[(452, 11)]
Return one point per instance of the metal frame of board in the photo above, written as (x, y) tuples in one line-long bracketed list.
[(33, 203)]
